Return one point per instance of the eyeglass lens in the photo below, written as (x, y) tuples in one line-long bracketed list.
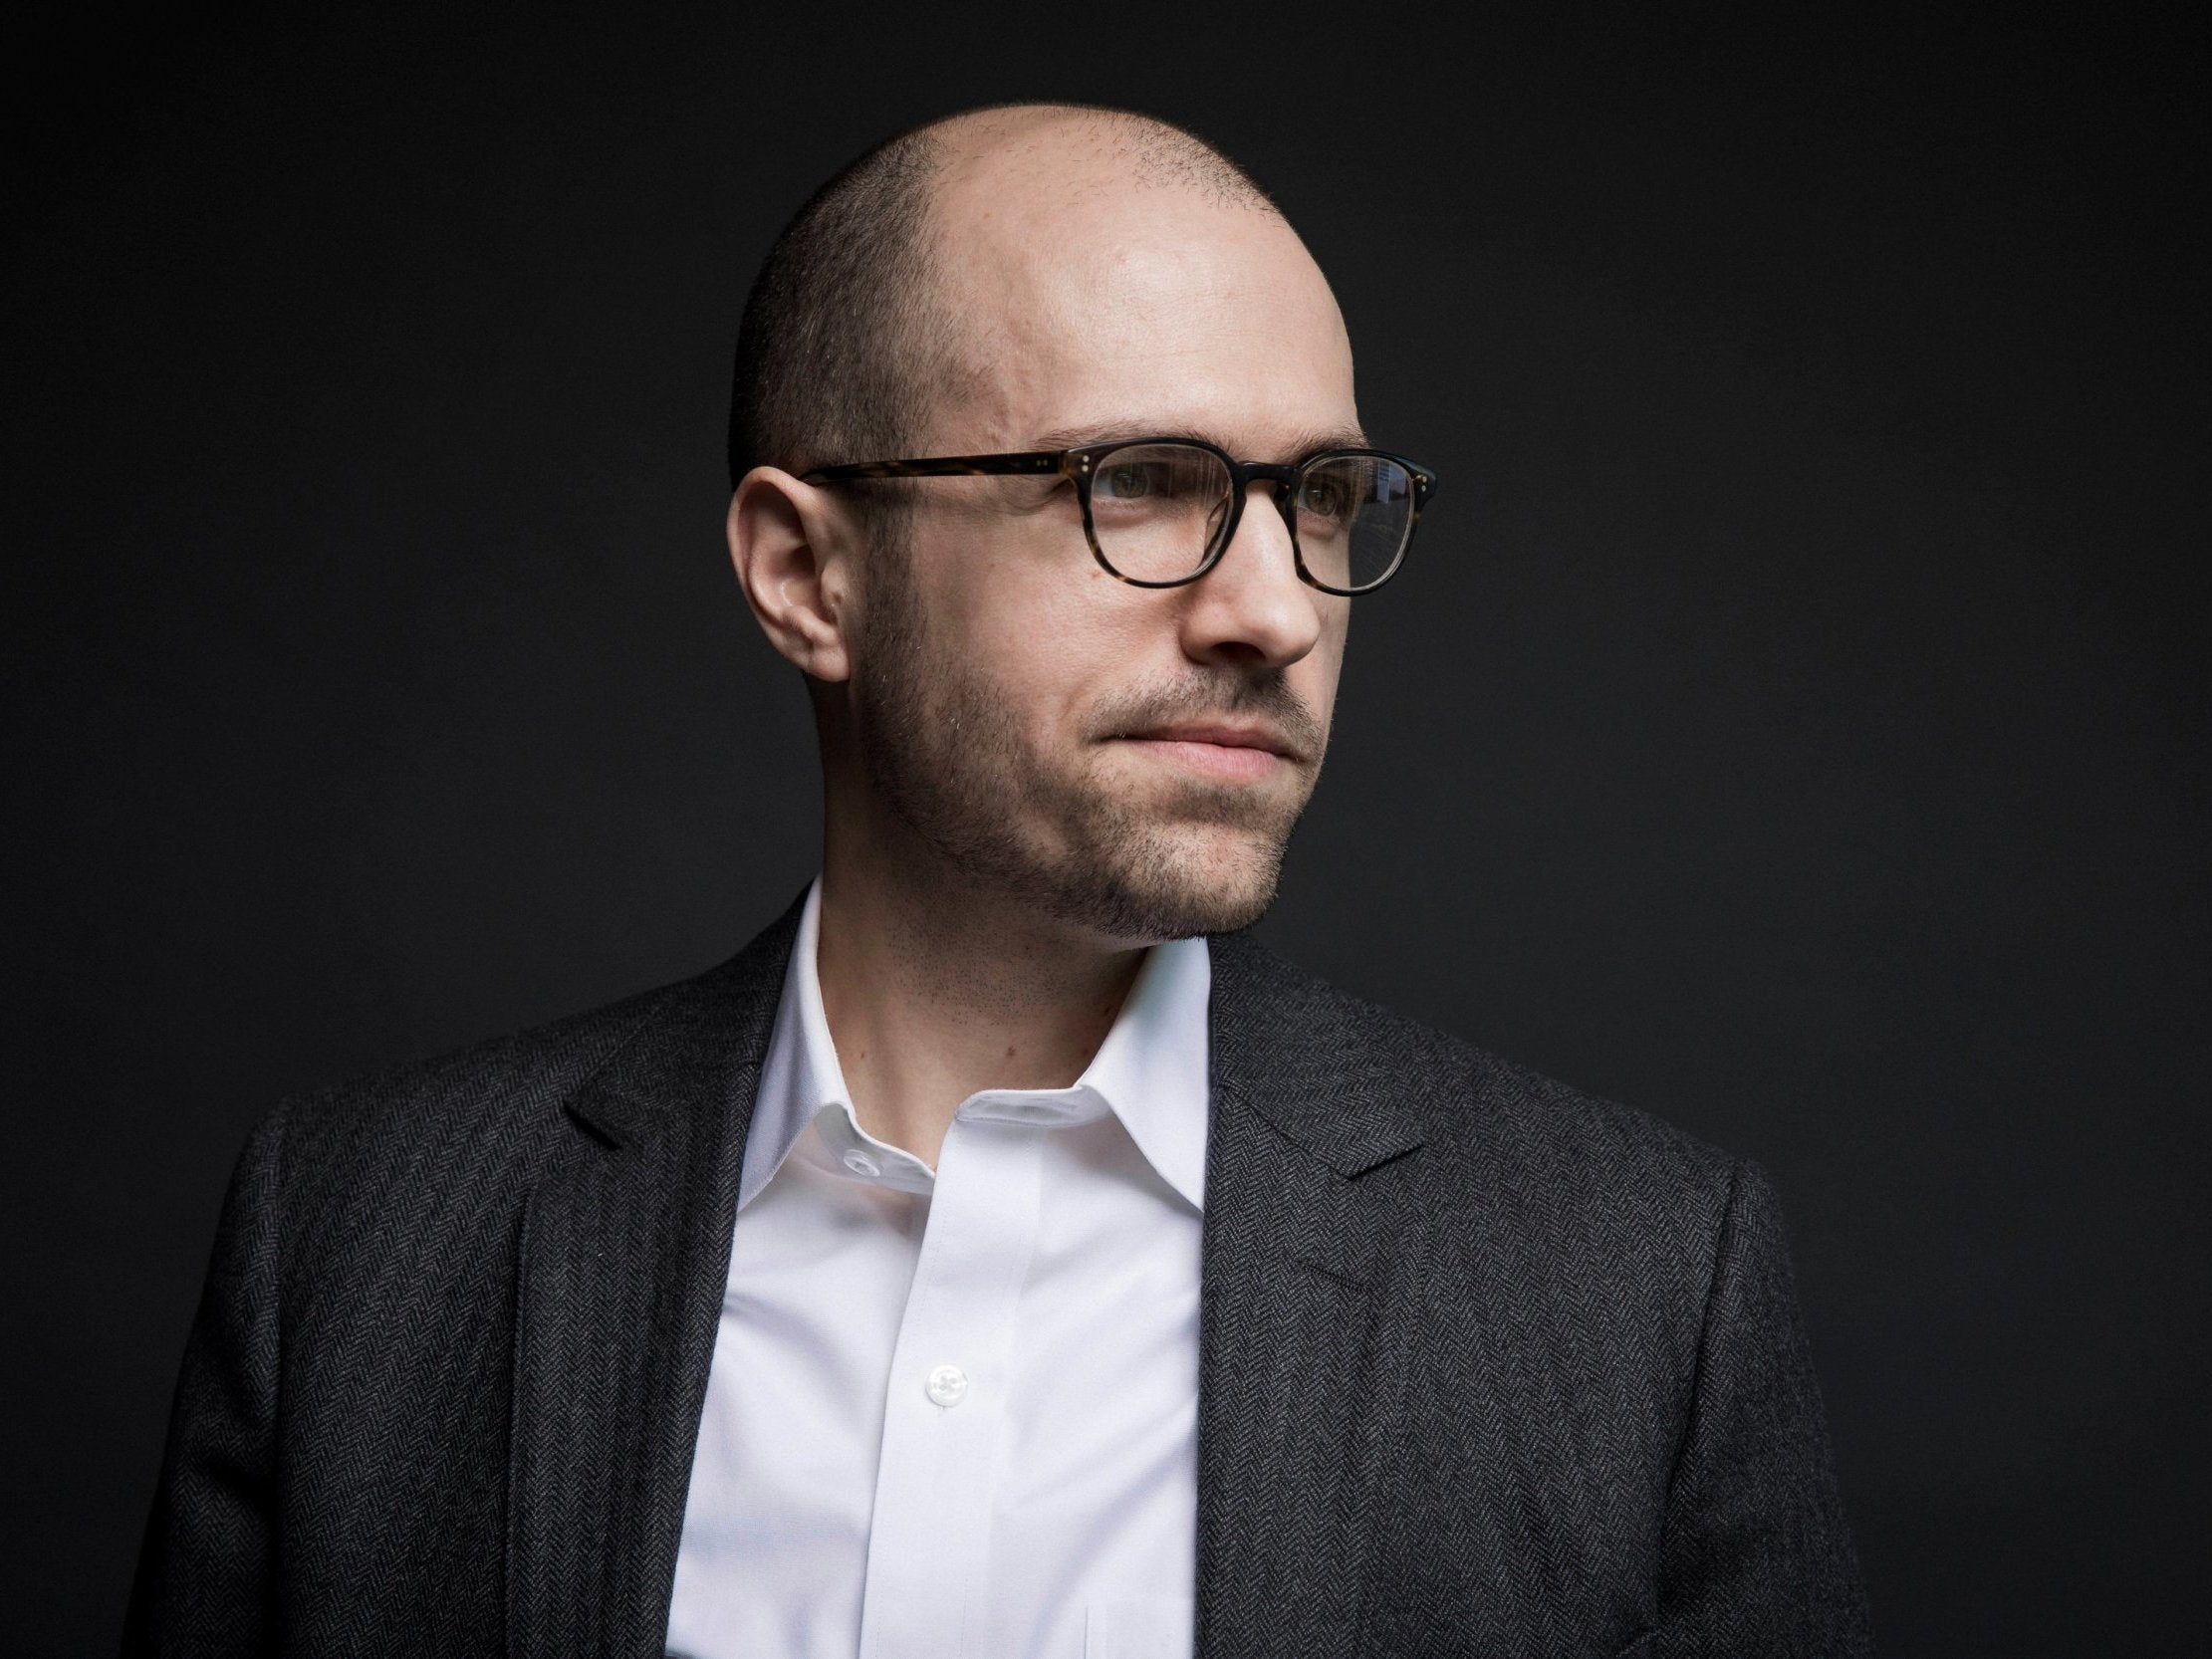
[(1157, 509)]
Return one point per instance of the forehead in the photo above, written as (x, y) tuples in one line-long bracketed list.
[(1083, 298)]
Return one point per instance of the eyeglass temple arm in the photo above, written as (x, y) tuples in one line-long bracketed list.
[(942, 466)]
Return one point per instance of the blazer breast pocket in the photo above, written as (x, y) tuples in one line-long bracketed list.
[(1144, 1628)]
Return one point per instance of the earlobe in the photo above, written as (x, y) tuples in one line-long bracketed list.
[(787, 551)]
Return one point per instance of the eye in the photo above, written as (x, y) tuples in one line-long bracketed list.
[(1130, 481), (1324, 497)]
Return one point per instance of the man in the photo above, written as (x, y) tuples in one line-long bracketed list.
[(1000, 1256)]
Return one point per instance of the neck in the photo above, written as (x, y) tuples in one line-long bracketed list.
[(936, 985)]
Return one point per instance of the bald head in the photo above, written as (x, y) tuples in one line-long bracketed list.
[(849, 337), (1071, 149)]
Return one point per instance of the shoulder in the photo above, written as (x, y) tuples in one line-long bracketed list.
[(500, 1088), (1500, 1141), (457, 1136), (498, 1105)]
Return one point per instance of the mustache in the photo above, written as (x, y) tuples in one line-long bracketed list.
[(1226, 696)]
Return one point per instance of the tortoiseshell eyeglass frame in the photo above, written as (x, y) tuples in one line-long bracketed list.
[(1083, 464)]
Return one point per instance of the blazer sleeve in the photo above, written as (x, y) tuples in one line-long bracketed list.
[(206, 1571), (1755, 1558)]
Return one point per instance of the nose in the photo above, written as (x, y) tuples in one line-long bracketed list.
[(1250, 611)]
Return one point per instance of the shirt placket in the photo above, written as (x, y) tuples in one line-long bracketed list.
[(928, 1557)]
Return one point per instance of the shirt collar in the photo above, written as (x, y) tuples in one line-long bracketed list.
[(1150, 1072), (1151, 1067)]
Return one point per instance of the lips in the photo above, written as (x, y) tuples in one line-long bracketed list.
[(1231, 754)]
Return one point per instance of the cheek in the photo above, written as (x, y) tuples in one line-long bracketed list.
[(1034, 629)]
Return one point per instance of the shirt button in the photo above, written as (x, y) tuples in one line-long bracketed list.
[(859, 1163), (948, 1386)]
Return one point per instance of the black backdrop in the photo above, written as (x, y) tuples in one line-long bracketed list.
[(1790, 723)]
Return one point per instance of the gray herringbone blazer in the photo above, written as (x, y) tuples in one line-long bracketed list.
[(1487, 1368)]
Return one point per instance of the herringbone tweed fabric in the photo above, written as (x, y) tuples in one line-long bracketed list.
[(1487, 1368)]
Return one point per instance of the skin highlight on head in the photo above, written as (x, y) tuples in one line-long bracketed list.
[(1033, 771)]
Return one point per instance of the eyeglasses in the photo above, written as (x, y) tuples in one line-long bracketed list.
[(1161, 512)]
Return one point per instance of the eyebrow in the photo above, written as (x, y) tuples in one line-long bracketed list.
[(1117, 430)]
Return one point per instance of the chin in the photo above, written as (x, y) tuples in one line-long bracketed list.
[(1175, 884)]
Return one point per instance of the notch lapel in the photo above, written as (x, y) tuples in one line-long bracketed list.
[(623, 1256), (1309, 1255)]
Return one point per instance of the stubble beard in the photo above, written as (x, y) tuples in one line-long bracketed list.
[(948, 758)]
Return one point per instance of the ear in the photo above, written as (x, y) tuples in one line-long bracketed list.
[(790, 549)]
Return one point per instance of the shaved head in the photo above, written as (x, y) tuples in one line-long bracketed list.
[(848, 336)]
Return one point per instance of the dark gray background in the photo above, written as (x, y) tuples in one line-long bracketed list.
[(1791, 722)]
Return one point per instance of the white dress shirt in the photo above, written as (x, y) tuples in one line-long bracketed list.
[(952, 1414)]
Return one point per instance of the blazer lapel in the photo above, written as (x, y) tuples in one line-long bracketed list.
[(1307, 1259), (623, 1257)]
